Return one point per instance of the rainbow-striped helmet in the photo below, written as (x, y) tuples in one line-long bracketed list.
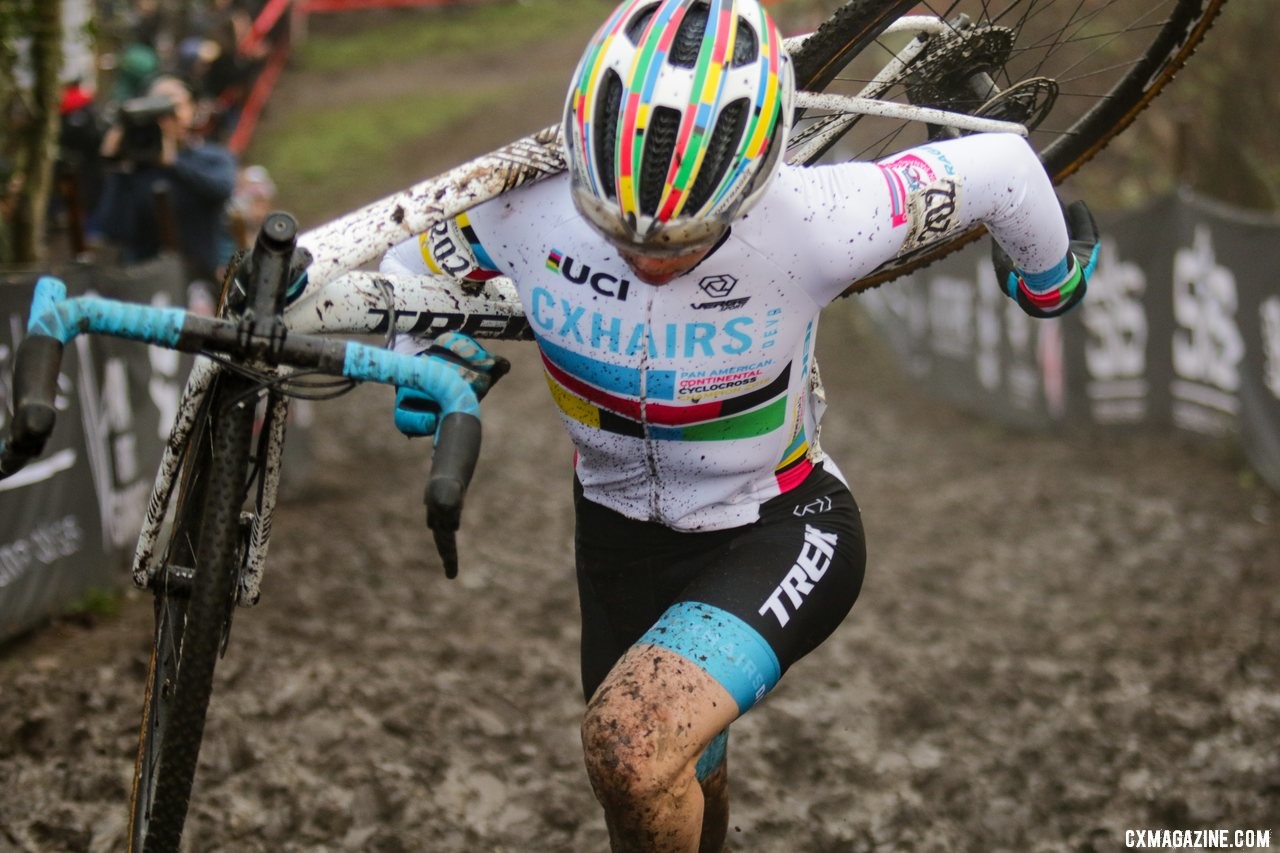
[(676, 119)]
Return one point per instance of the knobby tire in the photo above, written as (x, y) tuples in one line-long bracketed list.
[(189, 635)]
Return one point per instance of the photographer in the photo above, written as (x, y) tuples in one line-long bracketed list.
[(166, 181)]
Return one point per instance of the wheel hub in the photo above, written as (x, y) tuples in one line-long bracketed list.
[(1026, 102)]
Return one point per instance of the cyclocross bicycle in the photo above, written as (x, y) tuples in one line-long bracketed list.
[(877, 77)]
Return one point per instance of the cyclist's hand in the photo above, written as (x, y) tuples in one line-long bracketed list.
[(417, 414), (1056, 296)]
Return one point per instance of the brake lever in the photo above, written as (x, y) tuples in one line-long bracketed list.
[(454, 461)]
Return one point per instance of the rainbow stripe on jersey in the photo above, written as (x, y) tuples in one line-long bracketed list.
[(609, 397)]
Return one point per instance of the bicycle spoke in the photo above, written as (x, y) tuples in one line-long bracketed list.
[(1111, 38)]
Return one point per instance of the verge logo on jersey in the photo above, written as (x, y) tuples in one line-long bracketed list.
[(718, 287), (727, 305), (937, 211), (577, 272), (808, 569)]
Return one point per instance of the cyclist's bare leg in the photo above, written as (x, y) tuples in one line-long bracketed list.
[(644, 730), (715, 809)]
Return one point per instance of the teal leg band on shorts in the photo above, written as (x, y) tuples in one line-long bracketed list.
[(713, 756), (721, 644)]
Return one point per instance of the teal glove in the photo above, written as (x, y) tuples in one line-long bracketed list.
[(1056, 292), (416, 413)]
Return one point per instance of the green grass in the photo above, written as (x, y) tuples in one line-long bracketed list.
[(319, 154), (465, 33), (97, 603), (322, 157)]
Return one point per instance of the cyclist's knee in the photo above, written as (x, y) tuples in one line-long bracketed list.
[(649, 723), (633, 755)]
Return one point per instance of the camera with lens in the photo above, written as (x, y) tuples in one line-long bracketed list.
[(142, 141)]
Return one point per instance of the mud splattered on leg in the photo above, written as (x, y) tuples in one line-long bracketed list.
[(643, 733)]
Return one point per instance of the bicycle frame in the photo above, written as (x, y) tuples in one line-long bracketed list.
[(340, 301)]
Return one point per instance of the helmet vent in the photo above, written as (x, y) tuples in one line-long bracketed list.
[(720, 151), (635, 29), (688, 40), (605, 130), (659, 144), (746, 49)]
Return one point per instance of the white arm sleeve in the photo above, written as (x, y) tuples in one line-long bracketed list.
[(404, 258), (451, 248), (1011, 194), (855, 216)]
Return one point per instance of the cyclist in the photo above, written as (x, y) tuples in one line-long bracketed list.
[(673, 278)]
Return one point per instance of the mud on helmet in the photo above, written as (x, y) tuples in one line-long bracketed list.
[(676, 119)]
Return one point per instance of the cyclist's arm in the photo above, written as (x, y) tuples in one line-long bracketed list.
[(450, 249), (863, 214)]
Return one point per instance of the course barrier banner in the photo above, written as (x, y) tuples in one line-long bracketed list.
[(1181, 327), (68, 519)]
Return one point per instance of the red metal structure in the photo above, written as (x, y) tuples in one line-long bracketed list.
[(298, 10)]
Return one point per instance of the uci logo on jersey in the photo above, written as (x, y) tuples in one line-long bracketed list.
[(579, 273)]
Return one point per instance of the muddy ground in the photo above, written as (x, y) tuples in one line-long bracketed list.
[(1060, 638)]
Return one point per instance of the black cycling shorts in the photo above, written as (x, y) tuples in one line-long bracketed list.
[(743, 604)]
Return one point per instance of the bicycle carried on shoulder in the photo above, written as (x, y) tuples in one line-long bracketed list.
[(877, 77)]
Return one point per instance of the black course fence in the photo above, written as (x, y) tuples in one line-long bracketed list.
[(1181, 328), (69, 518)]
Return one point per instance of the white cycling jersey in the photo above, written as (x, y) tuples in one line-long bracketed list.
[(691, 403)]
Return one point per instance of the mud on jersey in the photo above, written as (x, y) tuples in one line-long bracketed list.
[(691, 403)]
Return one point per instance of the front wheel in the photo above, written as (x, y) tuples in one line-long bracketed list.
[(1075, 72), (195, 595)]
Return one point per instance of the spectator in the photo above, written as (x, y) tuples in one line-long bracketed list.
[(254, 196), (158, 156), (8, 200), (137, 68), (148, 24), (79, 168), (229, 61)]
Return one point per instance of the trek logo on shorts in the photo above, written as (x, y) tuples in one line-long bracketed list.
[(808, 569)]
